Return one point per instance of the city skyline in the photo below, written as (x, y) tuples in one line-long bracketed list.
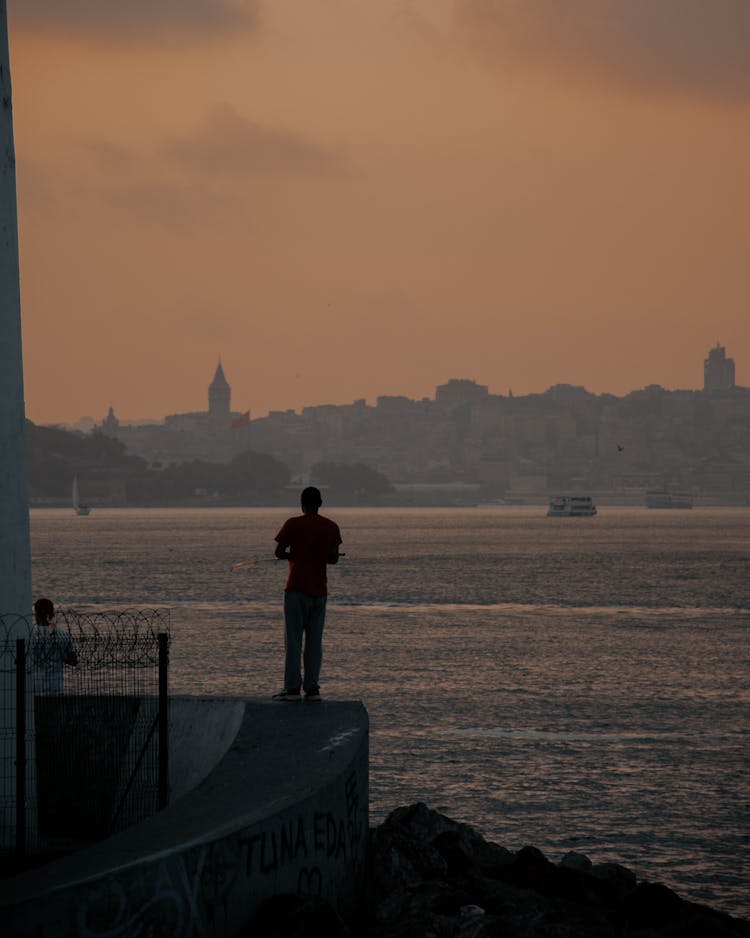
[(718, 372), (502, 446), (346, 200)]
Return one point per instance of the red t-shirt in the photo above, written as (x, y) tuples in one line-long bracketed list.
[(311, 540)]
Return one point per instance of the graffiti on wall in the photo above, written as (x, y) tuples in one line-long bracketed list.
[(188, 894)]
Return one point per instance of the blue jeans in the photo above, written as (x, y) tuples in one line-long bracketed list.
[(303, 616)]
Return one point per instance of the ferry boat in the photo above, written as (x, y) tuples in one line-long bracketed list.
[(571, 506), (661, 498)]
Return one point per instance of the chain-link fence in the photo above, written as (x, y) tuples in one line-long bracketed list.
[(86, 755)]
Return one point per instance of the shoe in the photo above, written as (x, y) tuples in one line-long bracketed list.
[(287, 695), (313, 696)]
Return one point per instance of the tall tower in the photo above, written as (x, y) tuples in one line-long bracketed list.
[(718, 370), (15, 550), (219, 394)]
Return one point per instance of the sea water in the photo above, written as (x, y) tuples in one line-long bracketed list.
[(574, 683)]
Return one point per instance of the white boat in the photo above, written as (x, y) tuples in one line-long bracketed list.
[(571, 506), (78, 508), (662, 498)]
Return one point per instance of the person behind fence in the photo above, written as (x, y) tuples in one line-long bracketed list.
[(309, 542), (51, 649)]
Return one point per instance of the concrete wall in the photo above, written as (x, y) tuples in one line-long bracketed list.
[(285, 810), (201, 731), (97, 757)]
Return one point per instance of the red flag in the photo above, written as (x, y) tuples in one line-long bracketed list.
[(242, 421)]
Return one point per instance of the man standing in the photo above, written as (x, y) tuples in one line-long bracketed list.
[(309, 542), (51, 649)]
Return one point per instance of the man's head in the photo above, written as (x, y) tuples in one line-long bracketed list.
[(44, 610), (310, 499)]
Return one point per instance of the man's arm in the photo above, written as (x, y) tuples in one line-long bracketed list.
[(333, 557), (281, 552)]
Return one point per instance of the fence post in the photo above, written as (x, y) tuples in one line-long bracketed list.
[(163, 721), (20, 747)]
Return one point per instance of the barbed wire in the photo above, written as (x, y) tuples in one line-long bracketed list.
[(124, 638), (96, 688)]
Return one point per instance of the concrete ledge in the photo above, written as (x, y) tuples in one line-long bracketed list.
[(201, 730), (285, 810)]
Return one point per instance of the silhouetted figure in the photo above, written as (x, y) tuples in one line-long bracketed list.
[(309, 542), (51, 649)]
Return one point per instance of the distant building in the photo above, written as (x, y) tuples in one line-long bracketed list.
[(219, 395), (718, 370), (564, 438), (215, 435), (110, 424), (460, 391)]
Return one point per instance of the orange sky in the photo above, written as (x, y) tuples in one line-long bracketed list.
[(347, 198)]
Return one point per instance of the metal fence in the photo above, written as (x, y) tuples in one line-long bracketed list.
[(83, 727)]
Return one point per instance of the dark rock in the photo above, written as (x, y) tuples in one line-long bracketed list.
[(432, 877), (656, 908), (464, 849), (622, 879), (420, 822), (652, 905), (576, 861), (400, 860)]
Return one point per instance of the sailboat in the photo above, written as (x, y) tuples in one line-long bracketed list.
[(78, 508)]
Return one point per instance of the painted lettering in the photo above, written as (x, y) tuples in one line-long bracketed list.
[(190, 886), (351, 794), (301, 843), (249, 845), (319, 831), (341, 840), (269, 859), (354, 824), (335, 839), (287, 843), (310, 882)]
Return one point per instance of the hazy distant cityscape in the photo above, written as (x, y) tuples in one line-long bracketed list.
[(463, 446)]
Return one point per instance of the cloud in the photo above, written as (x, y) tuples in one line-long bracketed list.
[(176, 207), (36, 192), (108, 156), (180, 183), (123, 186), (695, 47), (128, 20), (230, 143)]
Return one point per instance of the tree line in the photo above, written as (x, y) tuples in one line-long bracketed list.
[(55, 456)]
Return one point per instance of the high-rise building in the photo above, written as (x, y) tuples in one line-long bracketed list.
[(718, 370)]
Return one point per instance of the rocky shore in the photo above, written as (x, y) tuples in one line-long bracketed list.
[(431, 877)]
